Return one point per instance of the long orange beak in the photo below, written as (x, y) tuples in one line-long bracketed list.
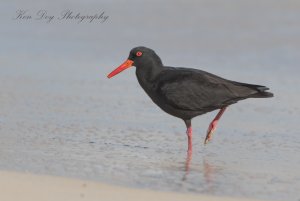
[(122, 67)]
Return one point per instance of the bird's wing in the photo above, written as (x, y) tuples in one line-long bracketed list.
[(190, 89)]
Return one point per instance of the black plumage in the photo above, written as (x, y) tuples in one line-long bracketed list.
[(184, 92)]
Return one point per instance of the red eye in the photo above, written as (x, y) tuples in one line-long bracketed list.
[(139, 54)]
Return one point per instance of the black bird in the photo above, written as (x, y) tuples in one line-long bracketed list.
[(184, 92)]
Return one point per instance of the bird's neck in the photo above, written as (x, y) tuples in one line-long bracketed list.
[(148, 72)]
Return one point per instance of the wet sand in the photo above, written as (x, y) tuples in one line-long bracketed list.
[(61, 116), (27, 187)]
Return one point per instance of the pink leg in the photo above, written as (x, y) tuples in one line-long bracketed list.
[(189, 134), (213, 125), (188, 124)]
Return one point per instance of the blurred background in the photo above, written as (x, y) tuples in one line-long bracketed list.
[(60, 115)]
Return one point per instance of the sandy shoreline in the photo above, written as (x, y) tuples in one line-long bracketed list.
[(24, 186)]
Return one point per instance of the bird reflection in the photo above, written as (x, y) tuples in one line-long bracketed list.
[(187, 165), (208, 172)]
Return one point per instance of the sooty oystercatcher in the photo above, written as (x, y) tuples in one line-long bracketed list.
[(184, 92)]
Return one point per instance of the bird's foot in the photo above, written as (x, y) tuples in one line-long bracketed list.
[(208, 137), (213, 125), (210, 131)]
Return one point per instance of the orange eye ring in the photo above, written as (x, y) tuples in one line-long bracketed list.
[(139, 53)]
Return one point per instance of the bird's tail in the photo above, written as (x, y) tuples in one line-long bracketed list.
[(261, 91), (263, 94)]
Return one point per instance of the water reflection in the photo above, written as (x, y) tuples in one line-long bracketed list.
[(207, 172), (187, 165)]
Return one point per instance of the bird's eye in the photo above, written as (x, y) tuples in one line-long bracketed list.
[(139, 53)]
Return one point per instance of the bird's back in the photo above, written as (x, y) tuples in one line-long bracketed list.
[(185, 92)]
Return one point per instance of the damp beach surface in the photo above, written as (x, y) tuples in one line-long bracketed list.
[(61, 116)]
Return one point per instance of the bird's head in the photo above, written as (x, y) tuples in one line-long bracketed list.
[(138, 57)]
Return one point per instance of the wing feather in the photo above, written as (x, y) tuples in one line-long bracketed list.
[(198, 90)]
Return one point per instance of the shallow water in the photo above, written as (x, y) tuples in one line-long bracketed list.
[(60, 115)]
